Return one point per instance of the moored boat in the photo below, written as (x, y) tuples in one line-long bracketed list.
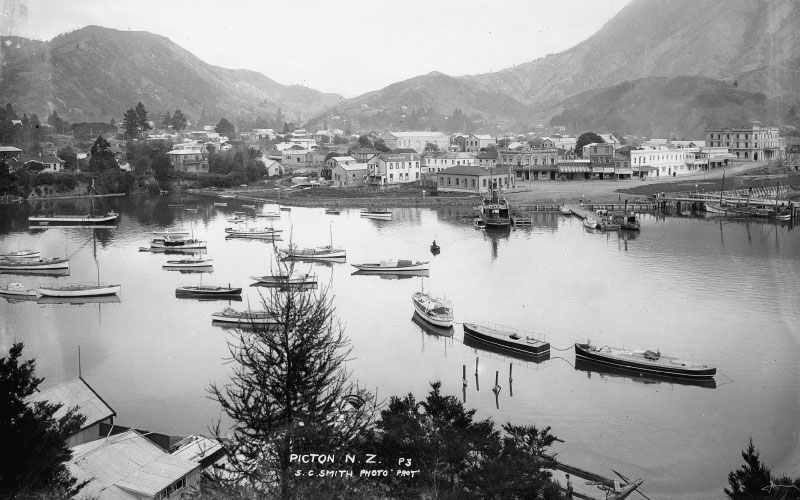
[(590, 223), (508, 338), (629, 222), (376, 214), (74, 220), (564, 210), (392, 266), (283, 279), (326, 252), (434, 310), (286, 209), (431, 329), (78, 290), (647, 361), (332, 211), (176, 243), (495, 212), (220, 203), (21, 254), (243, 318), (19, 290), (212, 291), (251, 207), (33, 264), (185, 263), (270, 215), (250, 231)]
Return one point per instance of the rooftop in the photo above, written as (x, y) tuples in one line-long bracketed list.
[(78, 393), (126, 466)]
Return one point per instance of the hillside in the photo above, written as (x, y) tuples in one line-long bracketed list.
[(96, 73), (679, 108), (722, 40)]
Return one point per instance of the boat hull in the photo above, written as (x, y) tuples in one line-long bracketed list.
[(189, 263), (285, 280), (584, 352), (377, 215), (504, 340), (201, 291), (378, 268), (243, 318), (33, 265), (19, 291), (174, 245), (22, 254), (72, 220), (315, 254), (79, 290)]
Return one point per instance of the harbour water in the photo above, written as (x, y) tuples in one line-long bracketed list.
[(714, 291)]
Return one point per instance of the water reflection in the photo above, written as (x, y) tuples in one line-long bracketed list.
[(394, 276), (77, 301), (478, 346), (604, 372), (436, 331)]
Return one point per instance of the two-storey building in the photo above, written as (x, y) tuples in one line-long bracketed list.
[(436, 162), (391, 168), (188, 160), (349, 175), (475, 179), (750, 143)]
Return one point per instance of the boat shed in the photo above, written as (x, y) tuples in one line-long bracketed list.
[(78, 392), (129, 467)]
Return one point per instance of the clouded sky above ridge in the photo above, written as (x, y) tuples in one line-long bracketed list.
[(348, 46)]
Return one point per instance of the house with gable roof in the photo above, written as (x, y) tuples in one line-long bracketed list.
[(127, 466), (394, 168)]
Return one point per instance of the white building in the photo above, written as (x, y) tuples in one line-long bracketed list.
[(393, 168), (436, 162), (669, 162), (415, 140)]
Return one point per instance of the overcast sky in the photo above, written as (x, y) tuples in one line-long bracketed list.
[(347, 46)]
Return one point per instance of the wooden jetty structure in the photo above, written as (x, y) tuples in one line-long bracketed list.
[(766, 197), (615, 489)]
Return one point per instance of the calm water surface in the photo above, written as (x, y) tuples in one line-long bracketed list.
[(723, 293)]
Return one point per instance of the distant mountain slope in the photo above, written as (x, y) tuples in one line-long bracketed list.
[(679, 107), (724, 40), (97, 73), (439, 93)]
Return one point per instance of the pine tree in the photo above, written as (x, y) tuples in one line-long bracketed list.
[(131, 123), (34, 449), (289, 393), (752, 479), (141, 118)]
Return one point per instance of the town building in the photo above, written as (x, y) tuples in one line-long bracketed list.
[(434, 162), (334, 161), (127, 466), (666, 161), (475, 142), (487, 159), (349, 175), (297, 157), (363, 155), (572, 168), (749, 143), (415, 140), (392, 168), (8, 152), (188, 160), (77, 393), (475, 179)]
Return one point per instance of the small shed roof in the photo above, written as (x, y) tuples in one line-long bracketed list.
[(78, 393)]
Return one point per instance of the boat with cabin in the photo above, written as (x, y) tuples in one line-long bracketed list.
[(510, 339), (646, 361), (431, 329), (436, 311), (392, 266), (564, 210), (19, 290), (381, 214), (591, 223), (629, 222), (176, 243), (252, 231), (495, 211)]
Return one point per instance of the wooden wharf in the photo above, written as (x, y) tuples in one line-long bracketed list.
[(615, 489), (638, 206)]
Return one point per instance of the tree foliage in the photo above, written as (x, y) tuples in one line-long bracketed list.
[(34, 450), (754, 480), (226, 128), (141, 118), (459, 457), (289, 392), (584, 139), (101, 156), (130, 123)]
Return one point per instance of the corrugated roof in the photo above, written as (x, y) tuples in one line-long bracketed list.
[(353, 166), (418, 134), (126, 466), (75, 393), (196, 448), (398, 157)]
